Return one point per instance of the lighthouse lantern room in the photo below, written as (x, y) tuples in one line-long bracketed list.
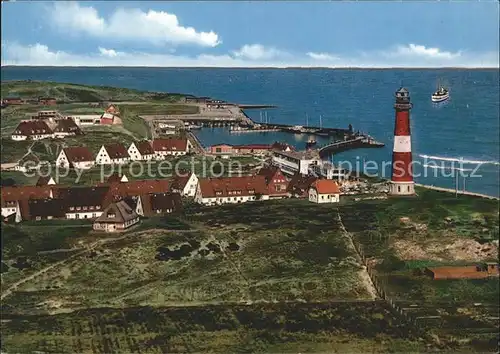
[(402, 175)]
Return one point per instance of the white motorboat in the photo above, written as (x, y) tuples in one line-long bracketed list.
[(440, 95)]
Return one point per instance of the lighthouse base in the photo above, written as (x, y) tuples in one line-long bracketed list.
[(402, 188)]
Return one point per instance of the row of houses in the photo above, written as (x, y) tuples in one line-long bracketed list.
[(117, 154), (47, 200), (52, 124), (15, 101), (41, 129), (269, 183)]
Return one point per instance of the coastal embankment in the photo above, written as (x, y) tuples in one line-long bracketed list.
[(450, 190)]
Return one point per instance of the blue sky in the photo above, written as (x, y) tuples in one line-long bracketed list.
[(253, 34)]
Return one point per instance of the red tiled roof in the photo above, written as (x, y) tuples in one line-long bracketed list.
[(161, 201), (139, 187), (85, 196), (78, 154), (172, 144), (462, 272), (281, 146), (179, 182), (300, 184), (268, 172), (220, 187), (13, 193), (32, 127), (326, 186), (116, 151), (43, 181), (144, 147), (253, 147)]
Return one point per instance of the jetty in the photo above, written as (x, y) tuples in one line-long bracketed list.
[(354, 142)]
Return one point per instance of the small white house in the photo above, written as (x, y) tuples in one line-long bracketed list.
[(141, 151), (112, 154), (77, 157), (171, 147), (324, 191), (185, 185)]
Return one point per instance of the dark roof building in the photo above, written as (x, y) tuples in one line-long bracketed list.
[(67, 126), (116, 151)]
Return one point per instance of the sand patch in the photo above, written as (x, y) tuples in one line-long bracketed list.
[(459, 250)]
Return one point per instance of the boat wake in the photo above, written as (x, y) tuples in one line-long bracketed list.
[(462, 160), (448, 168)]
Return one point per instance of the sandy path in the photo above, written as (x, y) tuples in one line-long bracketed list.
[(365, 277)]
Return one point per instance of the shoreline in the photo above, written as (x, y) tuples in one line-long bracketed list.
[(450, 190)]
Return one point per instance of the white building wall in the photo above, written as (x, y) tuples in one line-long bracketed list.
[(102, 157), (7, 211), (83, 214), (322, 198), (62, 159), (191, 186)]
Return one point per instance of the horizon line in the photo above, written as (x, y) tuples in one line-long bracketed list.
[(264, 67)]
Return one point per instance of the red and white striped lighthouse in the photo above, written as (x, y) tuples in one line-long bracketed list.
[(402, 174)]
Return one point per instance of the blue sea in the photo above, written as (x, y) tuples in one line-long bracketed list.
[(462, 133)]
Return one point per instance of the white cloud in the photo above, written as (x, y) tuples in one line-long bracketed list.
[(322, 56), (258, 52), (109, 52), (156, 27), (41, 55), (413, 50)]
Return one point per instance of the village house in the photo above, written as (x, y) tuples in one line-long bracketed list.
[(42, 209), (12, 195), (107, 119), (328, 170), (215, 191), (279, 146), (11, 100), (480, 271), (324, 191), (45, 181), (77, 157), (32, 130), (66, 127), (141, 151), (117, 217), (155, 203), (112, 109), (292, 162), (171, 147), (276, 181), (112, 154), (85, 120), (85, 202), (138, 187), (49, 116), (116, 178), (298, 187), (185, 184), (47, 101)]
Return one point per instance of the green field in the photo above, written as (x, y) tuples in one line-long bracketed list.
[(233, 263), (68, 92)]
